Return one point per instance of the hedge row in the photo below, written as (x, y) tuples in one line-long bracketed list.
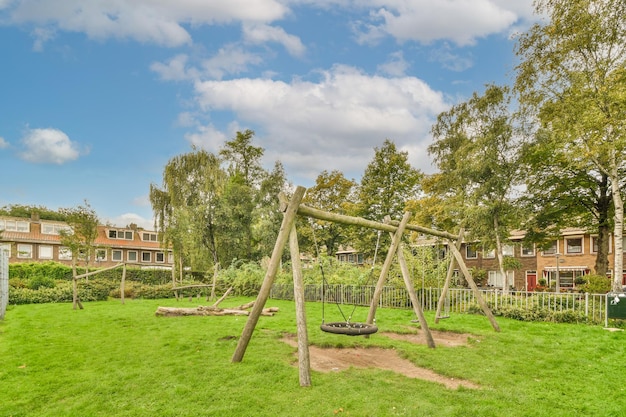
[(57, 271), (93, 290), (534, 314)]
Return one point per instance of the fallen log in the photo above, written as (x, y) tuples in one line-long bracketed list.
[(208, 311)]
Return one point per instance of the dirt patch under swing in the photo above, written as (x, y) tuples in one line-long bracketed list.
[(339, 359)]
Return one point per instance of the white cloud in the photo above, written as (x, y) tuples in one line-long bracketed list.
[(460, 21), (48, 146), (126, 219), (175, 69), (157, 21), (451, 60), (229, 60), (3, 143), (206, 137), (262, 33), (396, 65), (330, 124)]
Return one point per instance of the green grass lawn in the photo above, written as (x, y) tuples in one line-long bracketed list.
[(121, 360)]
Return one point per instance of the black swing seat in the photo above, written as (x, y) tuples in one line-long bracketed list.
[(350, 329)]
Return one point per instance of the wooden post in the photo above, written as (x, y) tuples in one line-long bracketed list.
[(304, 361), (289, 218), (123, 284), (417, 307), (75, 298), (395, 242), (472, 284), (446, 284)]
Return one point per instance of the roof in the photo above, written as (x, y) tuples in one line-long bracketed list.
[(35, 235)]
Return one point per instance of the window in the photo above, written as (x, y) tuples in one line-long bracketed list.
[(54, 229), (574, 245), (6, 247), (594, 244), (471, 251), (120, 234), (101, 255), (24, 251), (508, 250), (146, 257), (65, 254), (552, 249), (15, 226), (489, 253), (116, 255), (131, 256), (45, 252), (149, 237), (495, 279), (170, 257), (159, 257), (528, 249)]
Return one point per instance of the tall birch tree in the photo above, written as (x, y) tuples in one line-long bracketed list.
[(571, 80)]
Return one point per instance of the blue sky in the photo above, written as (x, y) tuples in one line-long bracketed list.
[(97, 96)]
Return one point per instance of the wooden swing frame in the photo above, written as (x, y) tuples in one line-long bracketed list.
[(287, 233)]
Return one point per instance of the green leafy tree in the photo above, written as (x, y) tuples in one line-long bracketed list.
[(245, 177), (476, 153), (388, 184), (186, 207), (26, 211), (561, 194), (267, 216), (333, 193), (83, 222), (571, 80)]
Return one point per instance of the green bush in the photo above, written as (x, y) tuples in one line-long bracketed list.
[(595, 284), (62, 292), (154, 291), (18, 283), (52, 270), (40, 281)]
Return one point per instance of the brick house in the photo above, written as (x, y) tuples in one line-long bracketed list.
[(35, 240), (569, 257)]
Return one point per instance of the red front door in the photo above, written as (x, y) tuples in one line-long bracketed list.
[(531, 281)]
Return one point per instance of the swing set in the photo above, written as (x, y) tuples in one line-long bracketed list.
[(347, 327), (288, 233)]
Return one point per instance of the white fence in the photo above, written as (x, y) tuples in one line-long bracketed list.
[(459, 300)]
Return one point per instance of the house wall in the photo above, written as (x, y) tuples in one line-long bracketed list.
[(40, 241)]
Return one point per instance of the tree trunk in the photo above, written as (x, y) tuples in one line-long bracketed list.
[(604, 233), (618, 230), (505, 284), (209, 311)]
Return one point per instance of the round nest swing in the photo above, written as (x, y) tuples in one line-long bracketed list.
[(350, 329)]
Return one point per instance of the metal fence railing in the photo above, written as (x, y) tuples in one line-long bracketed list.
[(459, 300)]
